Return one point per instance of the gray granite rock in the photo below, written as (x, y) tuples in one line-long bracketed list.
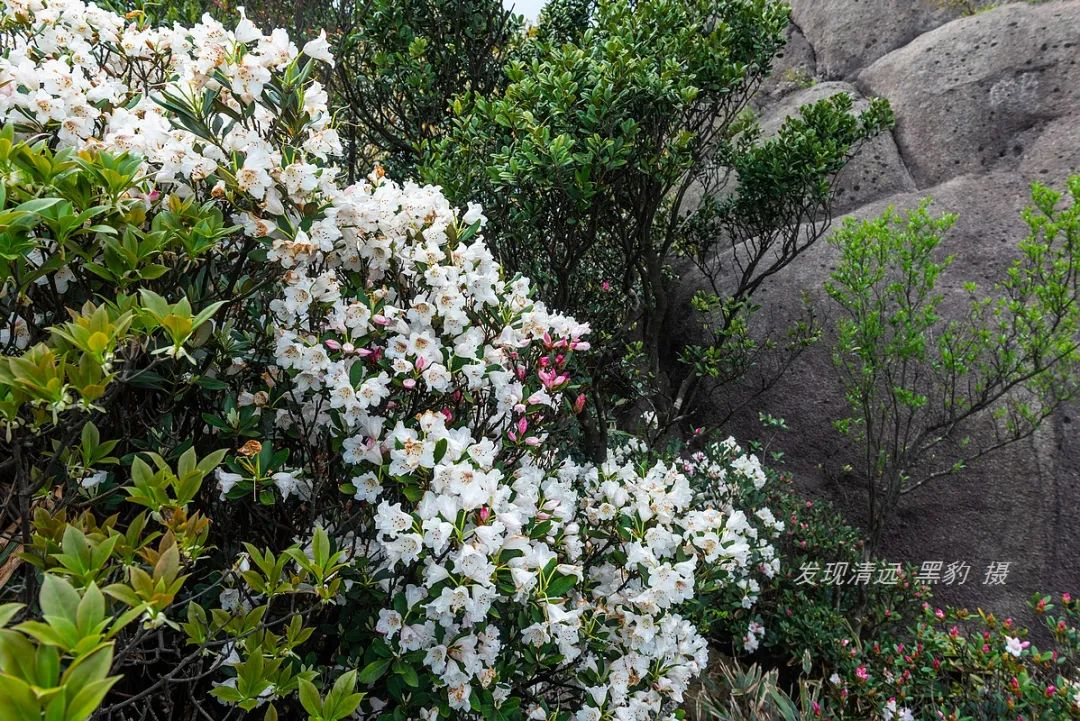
[(985, 105), (1020, 505), (973, 94), (848, 35), (793, 68)]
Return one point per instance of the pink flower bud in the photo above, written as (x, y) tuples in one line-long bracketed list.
[(532, 441), (409, 383), (579, 403), (332, 344)]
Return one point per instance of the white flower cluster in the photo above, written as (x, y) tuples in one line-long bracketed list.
[(398, 341)]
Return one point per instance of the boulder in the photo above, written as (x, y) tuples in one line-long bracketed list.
[(848, 35), (973, 94), (793, 68), (1055, 153)]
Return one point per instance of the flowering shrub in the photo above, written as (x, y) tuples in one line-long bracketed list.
[(805, 608), (959, 665), (308, 432), (728, 478)]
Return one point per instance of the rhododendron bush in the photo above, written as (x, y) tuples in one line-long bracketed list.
[(295, 445)]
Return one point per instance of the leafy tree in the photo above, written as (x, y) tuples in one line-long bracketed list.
[(401, 62), (618, 151), (918, 384)]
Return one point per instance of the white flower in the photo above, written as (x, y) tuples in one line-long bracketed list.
[(93, 480), (418, 359), (289, 483), (319, 49), (246, 31), (226, 481), (1014, 646)]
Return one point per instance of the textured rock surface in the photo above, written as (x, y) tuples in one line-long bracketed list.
[(973, 94), (985, 105), (848, 35)]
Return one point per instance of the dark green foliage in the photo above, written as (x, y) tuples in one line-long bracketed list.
[(400, 62), (614, 153)]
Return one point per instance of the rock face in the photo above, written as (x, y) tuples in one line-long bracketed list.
[(972, 94), (848, 35), (985, 105)]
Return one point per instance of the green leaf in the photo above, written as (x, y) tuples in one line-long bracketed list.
[(373, 671), (88, 699), (309, 698), (59, 598), (8, 611)]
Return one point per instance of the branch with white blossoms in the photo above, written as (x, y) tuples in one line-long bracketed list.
[(407, 397)]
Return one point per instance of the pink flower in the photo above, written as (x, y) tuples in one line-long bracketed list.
[(862, 674), (552, 379)]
